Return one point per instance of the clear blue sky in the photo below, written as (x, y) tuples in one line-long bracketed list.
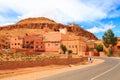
[(95, 16)]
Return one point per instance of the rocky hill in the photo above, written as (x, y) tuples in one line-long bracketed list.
[(41, 22)]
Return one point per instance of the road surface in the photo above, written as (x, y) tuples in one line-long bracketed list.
[(108, 70)]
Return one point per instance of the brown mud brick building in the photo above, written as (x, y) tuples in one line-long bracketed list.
[(34, 43)]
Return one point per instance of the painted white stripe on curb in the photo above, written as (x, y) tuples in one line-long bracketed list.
[(105, 72)]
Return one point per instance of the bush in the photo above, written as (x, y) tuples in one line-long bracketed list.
[(38, 58), (69, 51), (99, 47), (53, 57)]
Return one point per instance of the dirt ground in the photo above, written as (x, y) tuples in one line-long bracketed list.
[(40, 72)]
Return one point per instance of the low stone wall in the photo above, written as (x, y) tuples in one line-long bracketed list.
[(102, 54), (44, 62)]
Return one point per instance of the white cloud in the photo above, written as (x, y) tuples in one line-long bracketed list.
[(102, 28), (61, 10)]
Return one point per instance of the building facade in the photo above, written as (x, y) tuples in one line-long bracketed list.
[(76, 45), (34, 42), (52, 41), (16, 43), (117, 46), (39, 44)]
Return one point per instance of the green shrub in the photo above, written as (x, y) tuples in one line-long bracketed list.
[(28, 58), (53, 57), (99, 47), (69, 51)]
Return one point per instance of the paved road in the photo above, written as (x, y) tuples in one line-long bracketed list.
[(108, 70)]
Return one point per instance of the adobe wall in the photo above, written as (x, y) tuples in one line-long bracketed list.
[(24, 64)]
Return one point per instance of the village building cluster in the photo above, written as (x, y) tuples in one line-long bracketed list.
[(50, 41)]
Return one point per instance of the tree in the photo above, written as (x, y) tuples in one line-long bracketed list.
[(109, 40), (64, 49), (99, 47)]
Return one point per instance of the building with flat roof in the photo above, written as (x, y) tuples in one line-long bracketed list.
[(16, 43), (34, 42)]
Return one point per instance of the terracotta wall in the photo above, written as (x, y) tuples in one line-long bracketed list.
[(72, 45), (34, 43), (16, 43), (39, 45), (44, 62), (76, 46), (52, 46)]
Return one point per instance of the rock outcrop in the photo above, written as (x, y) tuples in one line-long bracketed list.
[(41, 22)]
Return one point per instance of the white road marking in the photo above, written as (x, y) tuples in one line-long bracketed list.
[(105, 72)]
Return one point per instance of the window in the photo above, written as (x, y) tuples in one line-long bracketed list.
[(36, 46), (31, 46), (56, 44), (72, 46), (39, 46), (15, 44), (118, 47), (27, 42), (6, 42), (31, 42), (75, 46), (48, 44), (18, 43), (69, 46)]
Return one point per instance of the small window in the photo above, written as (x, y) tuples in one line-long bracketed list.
[(69, 46), (39, 46), (27, 41), (48, 44), (118, 47), (6, 42), (15, 44), (56, 44), (75, 46), (31, 46), (72, 46), (31, 42), (18, 43), (36, 46)]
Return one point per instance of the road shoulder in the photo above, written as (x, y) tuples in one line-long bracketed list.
[(38, 72)]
